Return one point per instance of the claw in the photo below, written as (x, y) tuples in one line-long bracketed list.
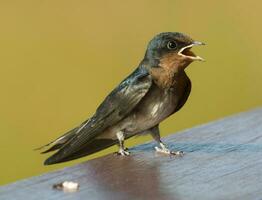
[(123, 152), (165, 150), (178, 153)]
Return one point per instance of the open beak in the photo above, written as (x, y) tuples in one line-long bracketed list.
[(186, 51)]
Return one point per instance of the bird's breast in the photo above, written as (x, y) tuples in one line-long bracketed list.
[(154, 107), (157, 105)]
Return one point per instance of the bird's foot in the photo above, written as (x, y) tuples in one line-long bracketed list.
[(165, 150), (123, 152)]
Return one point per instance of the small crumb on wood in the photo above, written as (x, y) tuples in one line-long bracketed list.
[(67, 186)]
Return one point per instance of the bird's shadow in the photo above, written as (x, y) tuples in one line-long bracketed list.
[(210, 147)]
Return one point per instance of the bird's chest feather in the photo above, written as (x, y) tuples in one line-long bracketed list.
[(163, 77), (160, 103), (163, 97), (157, 105)]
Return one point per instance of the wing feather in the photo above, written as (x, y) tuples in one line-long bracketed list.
[(118, 104)]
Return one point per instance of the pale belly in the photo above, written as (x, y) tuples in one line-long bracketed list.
[(155, 107)]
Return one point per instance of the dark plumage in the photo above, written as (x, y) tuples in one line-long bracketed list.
[(157, 88)]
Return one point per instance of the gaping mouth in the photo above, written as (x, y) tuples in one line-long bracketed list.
[(186, 52)]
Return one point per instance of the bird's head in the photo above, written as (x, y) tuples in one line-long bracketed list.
[(171, 49)]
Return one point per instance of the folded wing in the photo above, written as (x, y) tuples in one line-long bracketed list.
[(118, 104)]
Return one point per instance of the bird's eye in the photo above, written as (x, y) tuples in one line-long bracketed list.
[(171, 45)]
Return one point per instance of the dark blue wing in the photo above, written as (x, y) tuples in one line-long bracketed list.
[(118, 104)]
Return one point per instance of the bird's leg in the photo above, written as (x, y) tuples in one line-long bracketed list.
[(162, 148), (122, 151)]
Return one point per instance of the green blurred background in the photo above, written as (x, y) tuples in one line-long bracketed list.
[(59, 58)]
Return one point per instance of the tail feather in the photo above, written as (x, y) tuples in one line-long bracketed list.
[(92, 147), (56, 144), (53, 148)]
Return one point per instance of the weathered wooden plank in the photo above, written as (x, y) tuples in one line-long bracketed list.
[(223, 160)]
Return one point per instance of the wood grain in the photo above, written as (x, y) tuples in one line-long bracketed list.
[(223, 160)]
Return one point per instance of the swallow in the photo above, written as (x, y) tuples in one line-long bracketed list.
[(157, 88)]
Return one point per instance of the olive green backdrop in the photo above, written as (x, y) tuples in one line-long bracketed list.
[(60, 58)]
